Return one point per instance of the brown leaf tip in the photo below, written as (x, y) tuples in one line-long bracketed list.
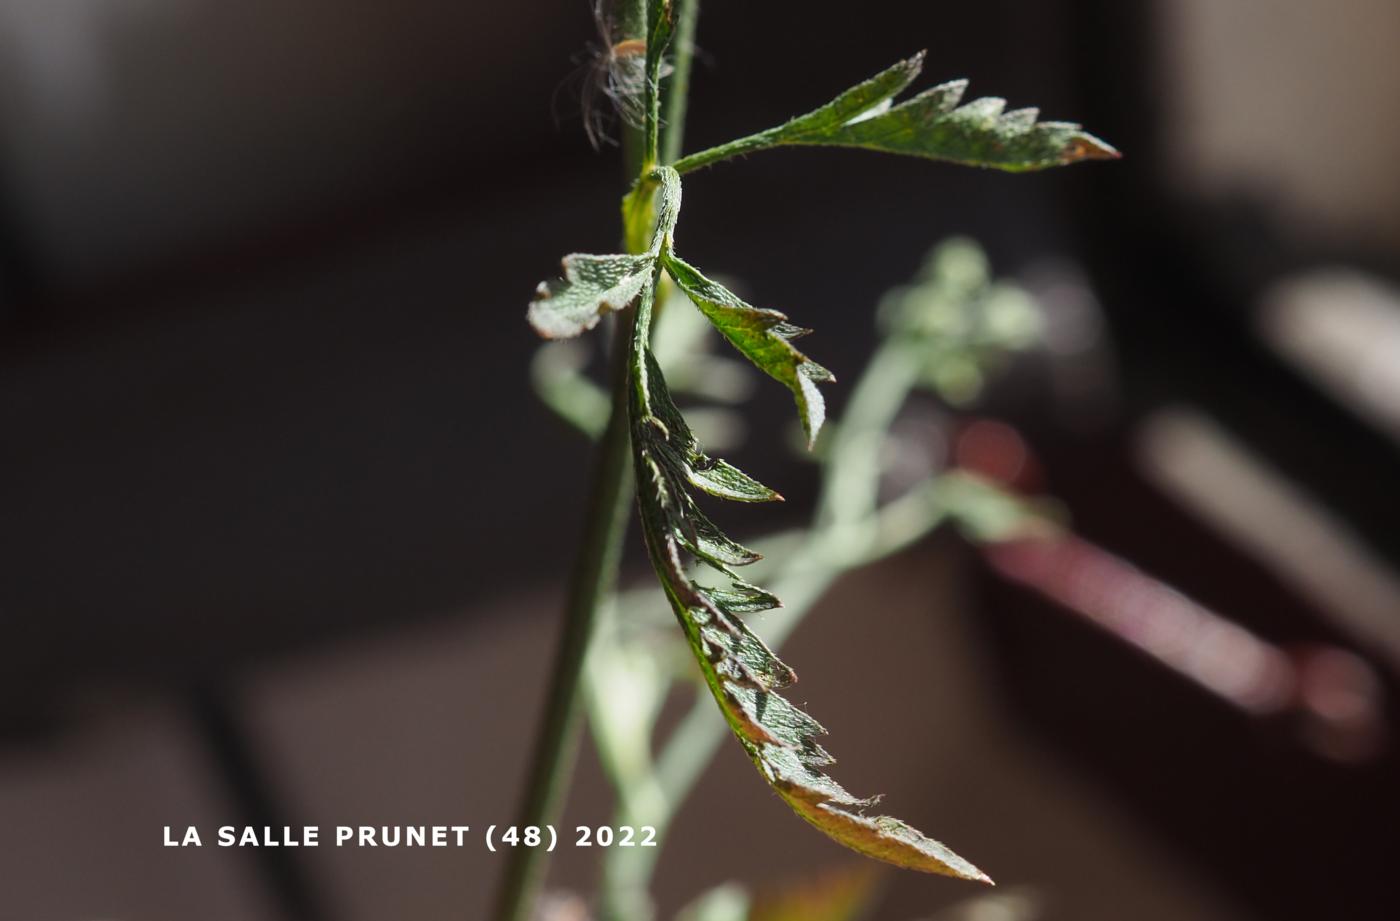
[(1088, 147)]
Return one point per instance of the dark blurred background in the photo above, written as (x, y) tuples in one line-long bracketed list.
[(283, 525)]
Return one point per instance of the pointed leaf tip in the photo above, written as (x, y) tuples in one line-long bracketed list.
[(861, 102), (1084, 146)]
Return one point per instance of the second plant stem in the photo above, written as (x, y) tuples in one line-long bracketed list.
[(599, 554)]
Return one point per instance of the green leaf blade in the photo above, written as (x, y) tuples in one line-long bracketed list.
[(725, 481), (862, 100), (739, 655), (742, 673), (651, 209), (781, 741), (764, 337), (707, 542), (886, 838), (591, 287), (743, 598), (930, 125), (979, 133), (716, 477)]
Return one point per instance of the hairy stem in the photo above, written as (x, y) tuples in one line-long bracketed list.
[(764, 140), (678, 84), (610, 494), (631, 24), (591, 584), (592, 581)]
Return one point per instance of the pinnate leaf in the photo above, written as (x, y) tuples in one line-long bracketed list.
[(977, 133), (742, 673), (744, 676), (931, 124)]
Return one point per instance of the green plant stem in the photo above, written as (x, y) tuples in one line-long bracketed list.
[(591, 584), (849, 494), (595, 570), (631, 24), (763, 140), (687, 13), (594, 576)]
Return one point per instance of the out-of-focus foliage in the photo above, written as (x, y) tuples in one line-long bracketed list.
[(843, 894), (964, 323)]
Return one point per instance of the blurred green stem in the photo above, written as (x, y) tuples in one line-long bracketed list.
[(591, 584)]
